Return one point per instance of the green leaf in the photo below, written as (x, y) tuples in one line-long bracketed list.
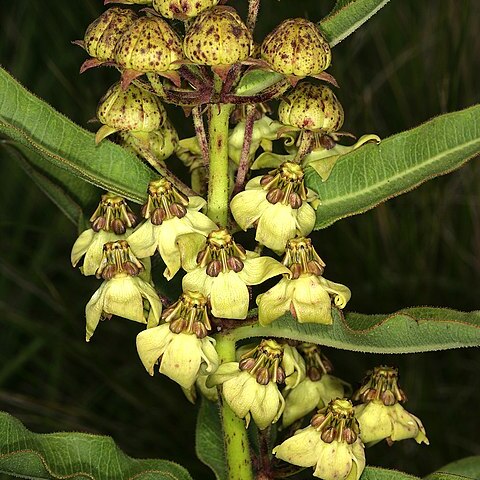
[(33, 123), (71, 194), (347, 16), (255, 81), (209, 439), (372, 174), (75, 456), (465, 468), (375, 473), (417, 329)]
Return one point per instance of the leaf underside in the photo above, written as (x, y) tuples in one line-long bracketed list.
[(74, 456), (417, 329), (373, 174)]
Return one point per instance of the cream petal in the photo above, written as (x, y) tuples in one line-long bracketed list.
[(149, 293), (81, 245), (189, 245), (300, 401), (197, 281), (151, 344), (273, 303), (268, 406), (196, 203), (226, 371), (374, 420), (209, 356), (341, 294), (301, 449), (334, 462), (143, 241), (229, 296), (330, 388), (310, 300), (94, 310), (248, 206), (276, 225), (240, 393), (182, 359), (294, 366), (404, 424), (123, 298), (306, 218), (257, 270)]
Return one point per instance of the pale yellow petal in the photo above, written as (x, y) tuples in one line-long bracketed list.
[(334, 462), (240, 392), (196, 203), (229, 296), (301, 449), (210, 360), (273, 303), (149, 293), (81, 246), (306, 218), (189, 245), (405, 425), (330, 388), (300, 401), (257, 270), (268, 406), (143, 241), (123, 298), (276, 225), (340, 293), (374, 420), (151, 344), (294, 367), (226, 371), (248, 206), (94, 310), (197, 281)]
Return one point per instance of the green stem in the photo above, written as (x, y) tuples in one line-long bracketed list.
[(218, 185), (234, 431)]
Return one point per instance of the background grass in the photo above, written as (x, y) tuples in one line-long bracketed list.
[(414, 60)]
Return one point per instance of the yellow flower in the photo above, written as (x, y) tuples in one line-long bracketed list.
[(170, 215), (112, 220), (183, 357), (250, 386), (278, 204), (306, 295), (380, 415), (123, 292), (223, 271), (330, 444)]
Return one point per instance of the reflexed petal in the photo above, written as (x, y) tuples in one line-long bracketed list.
[(405, 425), (196, 203), (276, 226), (151, 344), (311, 302), (240, 393), (189, 245), (306, 218), (123, 298), (301, 449), (374, 420), (268, 407), (209, 356), (182, 359), (226, 371), (197, 281), (330, 388), (94, 310), (143, 241), (334, 461), (81, 246), (229, 296), (300, 401), (257, 270), (150, 294), (248, 206), (294, 366), (273, 303), (341, 294)]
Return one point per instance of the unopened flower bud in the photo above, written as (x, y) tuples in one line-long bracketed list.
[(103, 34), (182, 9), (218, 36), (149, 45), (311, 107), (296, 47)]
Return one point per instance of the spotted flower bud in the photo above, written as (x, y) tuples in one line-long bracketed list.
[(218, 37), (316, 389), (123, 292), (381, 416), (331, 444), (103, 34), (250, 386), (222, 272), (305, 293), (278, 204), (183, 354), (182, 9), (112, 220), (311, 107), (149, 45), (131, 109), (159, 143), (296, 47), (170, 215)]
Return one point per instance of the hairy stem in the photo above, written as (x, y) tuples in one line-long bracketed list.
[(253, 7), (201, 134), (218, 185), (234, 432), (244, 163)]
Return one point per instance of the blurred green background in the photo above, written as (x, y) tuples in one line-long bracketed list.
[(412, 61)]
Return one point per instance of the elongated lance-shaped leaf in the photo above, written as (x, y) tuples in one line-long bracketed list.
[(209, 439), (71, 194), (347, 16), (33, 123), (375, 473), (468, 467), (417, 329), (373, 174), (74, 456)]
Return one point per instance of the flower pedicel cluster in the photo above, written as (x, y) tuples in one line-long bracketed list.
[(272, 379)]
